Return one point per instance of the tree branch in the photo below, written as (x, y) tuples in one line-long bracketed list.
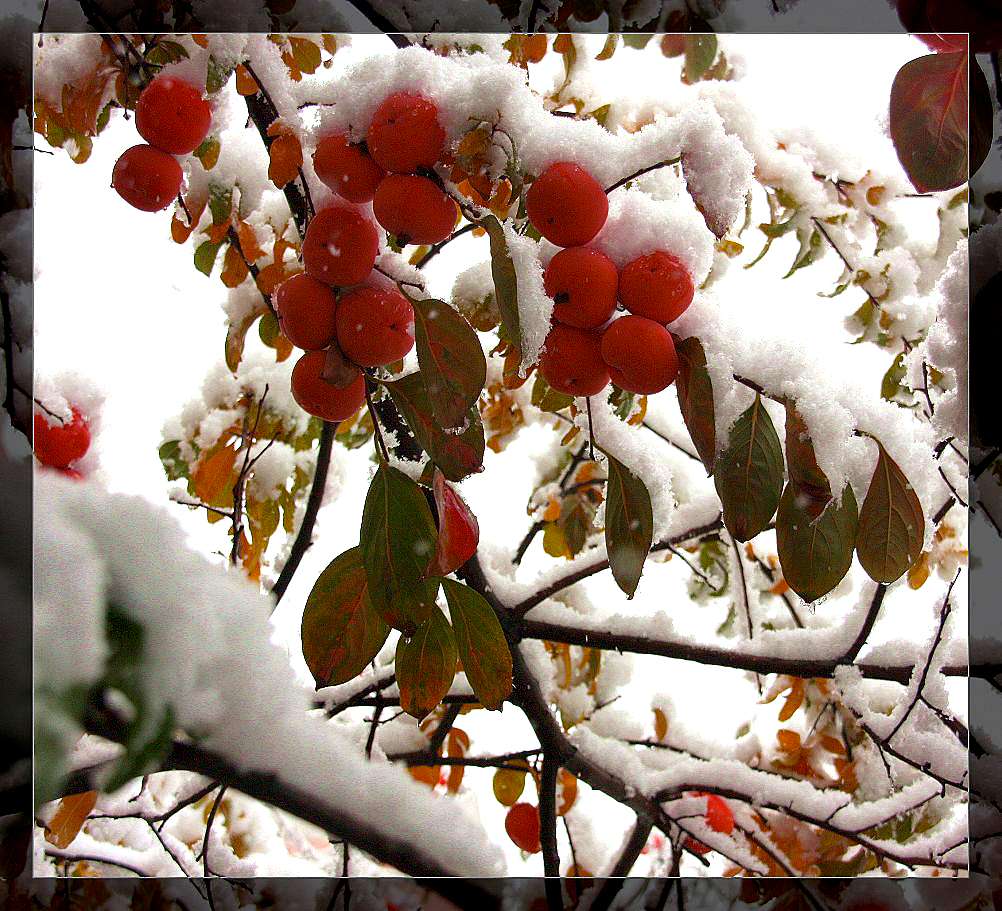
[(613, 882), (548, 824)]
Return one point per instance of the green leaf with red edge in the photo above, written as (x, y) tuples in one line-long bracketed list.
[(341, 630), (397, 539), (815, 551), (749, 473), (457, 455), (505, 281), (629, 525), (426, 665), (695, 398), (806, 477), (481, 643), (891, 525)]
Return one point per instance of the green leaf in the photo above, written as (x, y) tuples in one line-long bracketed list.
[(426, 665), (802, 463), (629, 525), (505, 281), (205, 256), (57, 728), (217, 75), (890, 386), (220, 203), (175, 467), (481, 643), (749, 473), (600, 114), (397, 540), (891, 525), (811, 247), (638, 42), (815, 551), (700, 52), (546, 398), (166, 52), (695, 399), (341, 631)]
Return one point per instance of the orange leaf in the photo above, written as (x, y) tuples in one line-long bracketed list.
[(833, 745), (283, 348), (211, 478), (201, 40), (660, 725), (69, 818), (286, 158), (246, 83), (425, 774), (248, 242), (789, 741), (793, 701), (234, 268), (568, 791), (270, 277)]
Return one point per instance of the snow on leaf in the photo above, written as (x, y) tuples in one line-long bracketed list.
[(505, 281)]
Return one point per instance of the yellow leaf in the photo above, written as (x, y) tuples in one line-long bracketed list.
[(246, 83), (69, 818), (919, 572), (660, 725), (567, 793)]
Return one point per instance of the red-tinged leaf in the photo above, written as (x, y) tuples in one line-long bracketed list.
[(695, 398), (426, 665), (341, 630), (629, 525), (806, 477), (481, 643), (458, 530), (891, 525), (69, 818)]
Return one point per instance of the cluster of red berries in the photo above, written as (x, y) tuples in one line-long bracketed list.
[(585, 347), (60, 444), (173, 118)]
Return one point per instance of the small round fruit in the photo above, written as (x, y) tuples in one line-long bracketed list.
[(572, 361), (347, 169), (375, 326), (582, 283), (305, 309), (414, 209), (522, 826), (340, 247), (320, 398), (59, 445), (640, 355), (405, 134), (567, 205), (147, 178), (657, 286), (172, 115)]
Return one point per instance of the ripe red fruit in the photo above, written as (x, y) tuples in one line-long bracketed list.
[(172, 115), (147, 178), (640, 355), (522, 826), (582, 283), (566, 205), (719, 815), (572, 361), (305, 309), (458, 530), (57, 444), (405, 134), (657, 286), (340, 246), (320, 398), (375, 326), (347, 169), (414, 209)]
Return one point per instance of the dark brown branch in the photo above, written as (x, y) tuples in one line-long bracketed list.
[(18, 422), (548, 825), (625, 180), (435, 249), (613, 882)]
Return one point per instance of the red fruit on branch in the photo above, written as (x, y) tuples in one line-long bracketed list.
[(582, 283), (405, 134), (572, 361), (657, 286), (305, 309), (59, 444), (375, 326), (566, 205), (321, 398), (172, 115), (522, 826), (347, 169), (147, 178), (458, 530), (414, 209), (640, 355), (340, 246)]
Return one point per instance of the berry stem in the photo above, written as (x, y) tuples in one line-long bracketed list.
[(625, 180), (591, 430)]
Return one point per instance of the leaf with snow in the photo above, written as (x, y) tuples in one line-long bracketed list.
[(505, 281)]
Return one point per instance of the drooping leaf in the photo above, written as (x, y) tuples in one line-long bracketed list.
[(508, 785), (426, 665), (481, 643), (175, 467), (638, 42), (609, 48), (695, 398), (305, 53), (166, 52), (341, 630), (285, 158), (217, 74), (458, 529), (700, 52), (811, 247), (629, 525), (208, 152), (546, 398), (69, 818), (236, 332), (806, 477), (505, 281), (205, 256)]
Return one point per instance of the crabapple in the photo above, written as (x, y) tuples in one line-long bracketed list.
[(340, 246), (640, 354), (375, 326), (566, 205), (405, 134), (320, 397), (172, 115), (59, 445), (414, 209), (347, 169), (458, 530), (305, 309), (582, 283), (147, 178), (572, 361), (656, 285), (522, 826)]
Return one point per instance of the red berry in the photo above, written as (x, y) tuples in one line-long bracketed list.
[(572, 361), (582, 283), (414, 209), (172, 115), (321, 398), (657, 286), (405, 134), (375, 326), (57, 444), (305, 309), (458, 530), (522, 826), (719, 815), (340, 246), (347, 169), (566, 205), (640, 355), (147, 178)]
